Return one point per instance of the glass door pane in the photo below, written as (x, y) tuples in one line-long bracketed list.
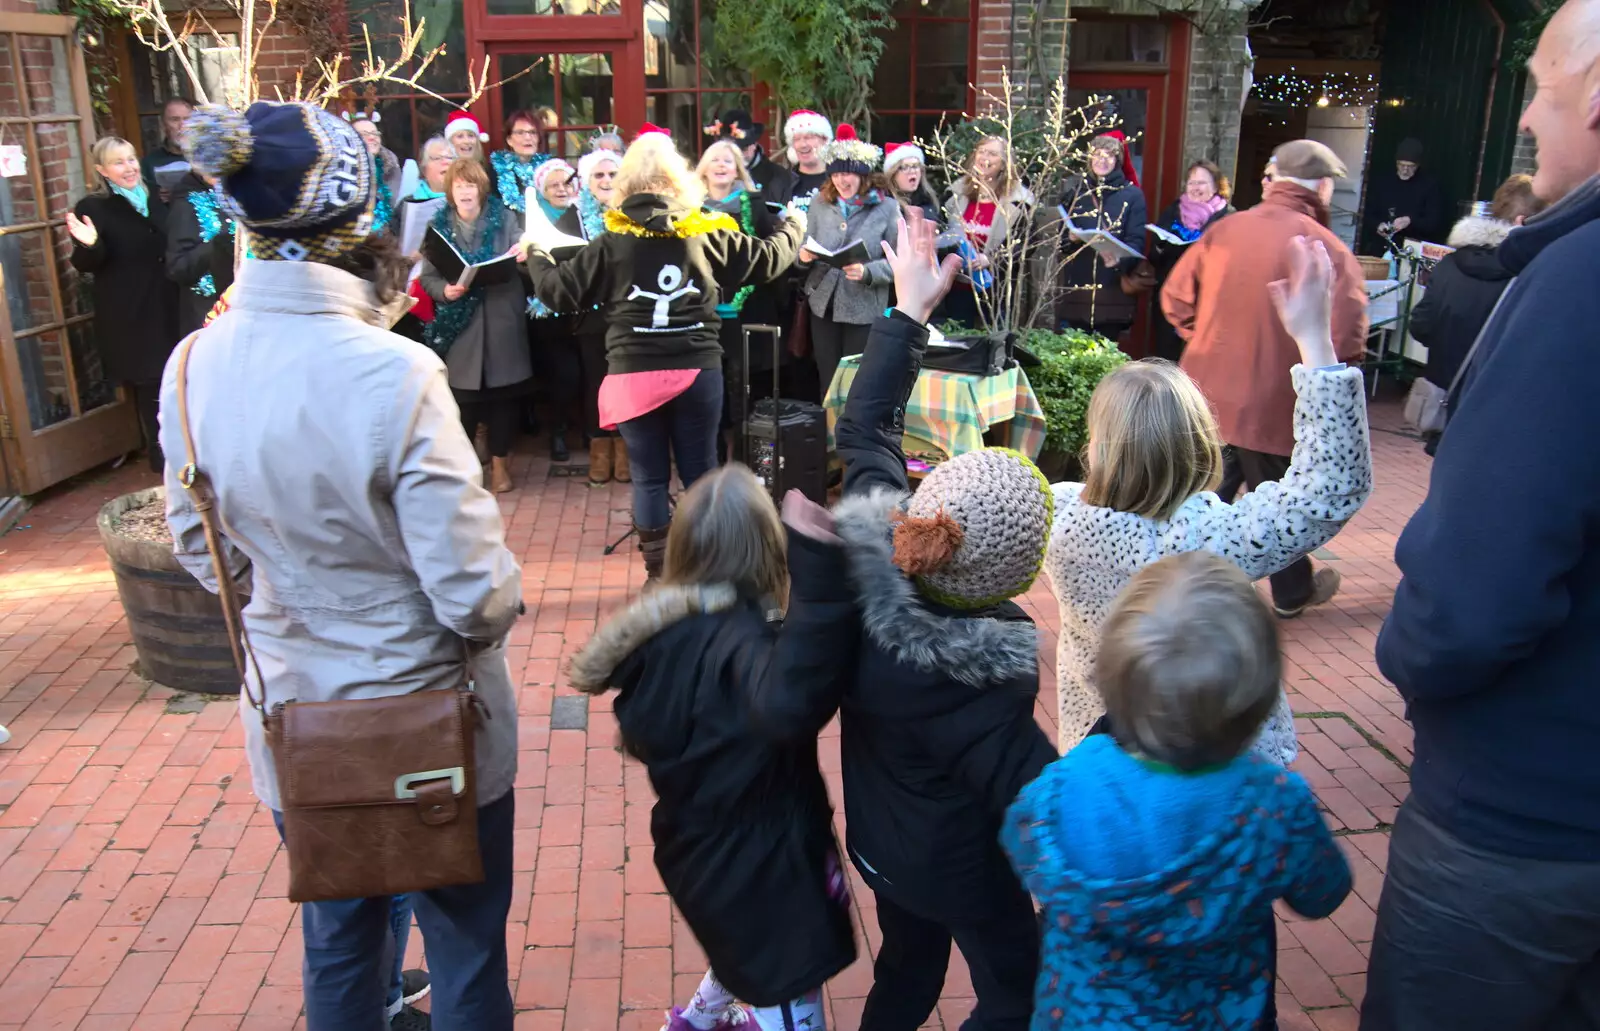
[(579, 87)]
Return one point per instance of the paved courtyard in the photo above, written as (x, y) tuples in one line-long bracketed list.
[(141, 886)]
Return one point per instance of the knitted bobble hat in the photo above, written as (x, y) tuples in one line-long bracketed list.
[(897, 153), (850, 154), (554, 166), (297, 177), (462, 121), (974, 534)]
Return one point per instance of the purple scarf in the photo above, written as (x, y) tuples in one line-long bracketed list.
[(1195, 214)]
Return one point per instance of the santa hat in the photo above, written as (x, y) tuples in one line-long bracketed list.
[(850, 154), (461, 121), (592, 160), (896, 153), (806, 122), (649, 127), (1127, 157)]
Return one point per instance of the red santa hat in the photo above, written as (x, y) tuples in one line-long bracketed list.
[(647, 128), (1127, 156), (803, 121), (461, 121), (896, 153)]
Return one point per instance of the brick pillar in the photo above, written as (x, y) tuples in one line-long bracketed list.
[(1525, 159), (994, 50)]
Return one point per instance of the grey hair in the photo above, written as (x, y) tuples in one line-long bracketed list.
[(1310, 184), (435, 141), (1189, 666)]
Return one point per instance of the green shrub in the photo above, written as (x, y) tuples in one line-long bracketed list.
[(1072, 364)]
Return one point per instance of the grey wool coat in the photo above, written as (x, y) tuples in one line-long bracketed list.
[(857, 303), (492, 351), (343, 474)]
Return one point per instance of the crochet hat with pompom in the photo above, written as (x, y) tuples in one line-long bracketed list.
[(849, 153), (553, 167), (298, 177), (974, 534)]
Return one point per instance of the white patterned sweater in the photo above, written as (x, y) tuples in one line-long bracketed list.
[(1094, 552)]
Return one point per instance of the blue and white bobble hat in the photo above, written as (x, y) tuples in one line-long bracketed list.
[(298, 177)]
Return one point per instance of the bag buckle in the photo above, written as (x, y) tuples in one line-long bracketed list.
[(403, 784)]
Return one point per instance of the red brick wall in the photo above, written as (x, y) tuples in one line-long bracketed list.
[(994, 48), (283, 55)]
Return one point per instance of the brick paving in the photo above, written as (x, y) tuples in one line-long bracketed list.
[(142, 886)]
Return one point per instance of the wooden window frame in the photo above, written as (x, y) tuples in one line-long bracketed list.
[(914, 22)]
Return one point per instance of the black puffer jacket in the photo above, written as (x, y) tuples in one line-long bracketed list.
[(743, 828), (1461, 293), (936, 705), (659, 274)]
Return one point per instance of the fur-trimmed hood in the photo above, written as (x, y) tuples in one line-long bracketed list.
[(627, 631), (969, 648), (1478, 231)]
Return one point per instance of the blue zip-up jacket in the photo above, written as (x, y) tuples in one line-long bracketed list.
[(1157, 887), (1494, 638)]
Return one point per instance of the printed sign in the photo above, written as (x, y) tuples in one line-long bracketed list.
[(13, 160)]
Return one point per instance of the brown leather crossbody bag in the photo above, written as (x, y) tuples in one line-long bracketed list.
[(379, 795)]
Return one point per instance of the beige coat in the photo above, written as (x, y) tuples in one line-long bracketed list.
[(343, 474)]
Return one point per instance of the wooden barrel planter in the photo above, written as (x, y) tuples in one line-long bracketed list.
[(176, 623)]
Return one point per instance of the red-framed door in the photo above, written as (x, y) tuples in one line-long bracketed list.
[(588, 67), (1152, 105)]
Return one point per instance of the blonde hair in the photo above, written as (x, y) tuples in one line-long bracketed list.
[(101, 153), (741, 169), (726, 530), (1153, 441), (1188, 665), (653, 165)]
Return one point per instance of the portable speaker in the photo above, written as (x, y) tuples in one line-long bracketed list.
[(784, 442)]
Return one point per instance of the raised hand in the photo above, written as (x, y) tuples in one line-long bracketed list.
[(82, 229), (920, 280), (1304, 301), (805, 516)]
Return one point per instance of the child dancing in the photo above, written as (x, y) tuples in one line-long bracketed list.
[(1157, 850), (935, 676), (742, 826), (1154, 460)]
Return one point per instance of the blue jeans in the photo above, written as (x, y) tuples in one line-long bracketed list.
[(351, 963), (399, 930), (682, 430)]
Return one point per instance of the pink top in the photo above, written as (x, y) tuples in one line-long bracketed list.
[(629, 395)]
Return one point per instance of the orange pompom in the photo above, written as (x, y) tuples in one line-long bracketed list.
[(924, 546)]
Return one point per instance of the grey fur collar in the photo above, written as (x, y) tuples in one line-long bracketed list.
[(629, 629), (973, 650), (1477, 231)]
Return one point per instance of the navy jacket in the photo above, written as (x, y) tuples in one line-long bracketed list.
[(1494, 639)]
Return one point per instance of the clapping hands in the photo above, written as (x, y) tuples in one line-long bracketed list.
[(920, 279)]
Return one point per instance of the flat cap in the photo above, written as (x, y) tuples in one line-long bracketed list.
[(1308, 159)]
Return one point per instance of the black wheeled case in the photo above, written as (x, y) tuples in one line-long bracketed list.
[(785, 443)]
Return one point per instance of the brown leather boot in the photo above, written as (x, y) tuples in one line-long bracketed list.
[(500, 475), (600, 460), (653, 546), (620, 471)]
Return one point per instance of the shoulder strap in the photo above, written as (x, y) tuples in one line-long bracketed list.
[(204, 499), (1466, 363)]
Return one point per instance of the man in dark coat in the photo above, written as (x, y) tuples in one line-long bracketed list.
[(1406, 203), (200, 245), (1490, 912), (167, 164)]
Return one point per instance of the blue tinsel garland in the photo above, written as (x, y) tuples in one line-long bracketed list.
[(513, 176), (209, 218)]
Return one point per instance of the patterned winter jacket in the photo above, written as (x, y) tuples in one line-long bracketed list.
[(1156, 887), (1095, 551)]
